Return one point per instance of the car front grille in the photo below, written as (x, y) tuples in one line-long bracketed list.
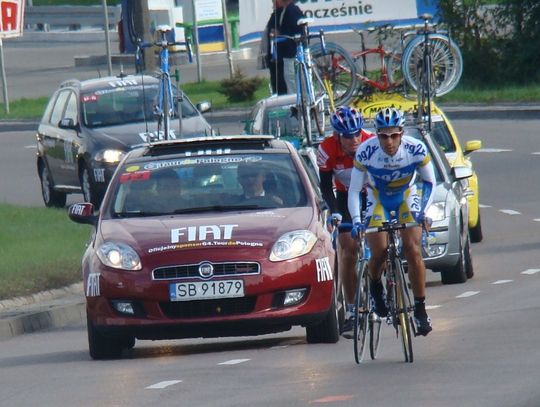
[(192, 270), (208, 308)]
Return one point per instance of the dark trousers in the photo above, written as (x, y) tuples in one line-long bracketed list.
[(277, 79)]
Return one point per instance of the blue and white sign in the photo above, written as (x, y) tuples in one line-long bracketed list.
[(337, 15)]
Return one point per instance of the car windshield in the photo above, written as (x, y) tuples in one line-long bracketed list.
[(207, 184), (125, 104), (442, 136)]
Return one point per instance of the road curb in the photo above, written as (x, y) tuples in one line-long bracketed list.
[(43, 310)]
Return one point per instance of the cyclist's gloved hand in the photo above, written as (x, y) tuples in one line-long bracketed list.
[(357, 230), (334, 219), (424, 220)]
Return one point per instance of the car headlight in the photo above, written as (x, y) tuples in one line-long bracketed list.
[(109, 156), (436, 211), (293, 244), (119, 256)]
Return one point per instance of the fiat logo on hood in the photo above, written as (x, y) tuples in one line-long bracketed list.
[(206, 270)]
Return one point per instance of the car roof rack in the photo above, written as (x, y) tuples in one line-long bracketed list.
[(209, 142), (70, 82)]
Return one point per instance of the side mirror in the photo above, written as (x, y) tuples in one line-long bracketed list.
[(461, 172), (83, 213), (472, 145), (204, 106), (68, 123)]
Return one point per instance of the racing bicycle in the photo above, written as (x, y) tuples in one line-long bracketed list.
[(311, 95), (164, 109), (398, 298)]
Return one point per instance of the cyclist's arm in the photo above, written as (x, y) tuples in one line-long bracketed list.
[(358, 180), (327, 189), (427, 173)]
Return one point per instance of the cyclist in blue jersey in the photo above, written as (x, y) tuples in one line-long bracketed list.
[(390, 164)]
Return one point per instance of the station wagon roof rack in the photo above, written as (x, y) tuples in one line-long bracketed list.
[(202, 143)]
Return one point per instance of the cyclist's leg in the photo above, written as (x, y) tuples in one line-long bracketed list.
[(411, 238), (289, 75)]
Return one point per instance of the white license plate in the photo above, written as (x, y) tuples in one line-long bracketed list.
[(205, 290)]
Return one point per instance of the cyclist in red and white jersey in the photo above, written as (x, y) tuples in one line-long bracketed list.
[(335, 160), (389, 164)]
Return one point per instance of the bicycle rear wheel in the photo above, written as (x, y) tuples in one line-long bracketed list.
[(362, 311), (337, 67), (304, 111), (403, 305), (374, 328), (447, 63)]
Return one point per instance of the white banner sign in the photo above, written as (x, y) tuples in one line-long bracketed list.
[(11, 18), (334, 15)]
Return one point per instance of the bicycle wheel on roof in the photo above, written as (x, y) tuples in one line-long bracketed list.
[(447, 63), (336, 66)]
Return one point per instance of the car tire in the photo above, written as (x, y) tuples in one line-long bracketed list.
[(326, 331), (458, 273), (469, 268), (88, 187), (51, 197), (100, 346), (476, 232)]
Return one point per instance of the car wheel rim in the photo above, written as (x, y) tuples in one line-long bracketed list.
[(45, 185)]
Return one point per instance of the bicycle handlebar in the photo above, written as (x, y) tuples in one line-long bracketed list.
[(297, 38), (165, 44)]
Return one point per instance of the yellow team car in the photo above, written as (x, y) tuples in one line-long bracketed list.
[(443, 133)]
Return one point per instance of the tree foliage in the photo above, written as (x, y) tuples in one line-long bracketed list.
[(500, 43)]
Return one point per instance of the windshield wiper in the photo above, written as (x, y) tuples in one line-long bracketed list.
[(218, 208), (137, 214)]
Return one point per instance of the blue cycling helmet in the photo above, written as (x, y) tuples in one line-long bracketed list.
[(347, 121), (389, 117)]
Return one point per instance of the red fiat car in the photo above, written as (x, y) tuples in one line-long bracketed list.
[(208, 238)]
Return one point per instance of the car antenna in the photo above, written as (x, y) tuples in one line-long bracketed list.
[(138, 67), (122, 74)]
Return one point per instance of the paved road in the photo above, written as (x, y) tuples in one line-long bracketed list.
[(483, 351)]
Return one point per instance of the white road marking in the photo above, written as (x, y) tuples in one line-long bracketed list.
[(162, 385), (537, 220), (432, 306), (467, 294), (493, 150), (280, 347), (32, 146), (509, 211), (484, 206), (502, 281), (536, 153), (530, 271), (233, 361)]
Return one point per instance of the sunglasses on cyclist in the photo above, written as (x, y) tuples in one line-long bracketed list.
[(393, 136)]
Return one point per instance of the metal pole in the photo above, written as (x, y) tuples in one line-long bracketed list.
[(196, 41), (4, 80), (227, 37), (107, 41)]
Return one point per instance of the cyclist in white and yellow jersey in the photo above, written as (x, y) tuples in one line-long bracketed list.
[(389, 164)]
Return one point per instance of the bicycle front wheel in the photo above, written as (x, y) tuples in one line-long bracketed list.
[(337, 68), (362, 311), (403, 305), (447, 63)]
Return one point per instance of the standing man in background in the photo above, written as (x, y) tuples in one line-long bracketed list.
[(283, 21)]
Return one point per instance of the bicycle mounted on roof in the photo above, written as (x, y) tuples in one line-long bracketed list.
[(164, 109), (310, 94)]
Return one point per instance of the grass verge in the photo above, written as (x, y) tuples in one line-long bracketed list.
[(32, 109), (40, 249)]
